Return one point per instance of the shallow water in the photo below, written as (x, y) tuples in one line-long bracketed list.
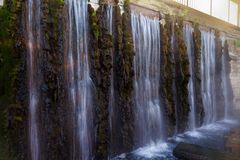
[(211, 136)]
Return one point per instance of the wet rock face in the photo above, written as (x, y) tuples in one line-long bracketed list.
[(181, 77), (16, 110), (52, 108), (101, 67), (103, 44), (126, 81), (55, 113), (197, 76), (167, 69), (218, 74)]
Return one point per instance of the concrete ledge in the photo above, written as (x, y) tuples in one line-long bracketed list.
[(175, 9)]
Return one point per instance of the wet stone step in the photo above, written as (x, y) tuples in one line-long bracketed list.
[(194, 152)]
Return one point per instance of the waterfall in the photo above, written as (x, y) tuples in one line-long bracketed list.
[(33, 46), (148, 109), (208, 76), (188, 30), (78, 78)]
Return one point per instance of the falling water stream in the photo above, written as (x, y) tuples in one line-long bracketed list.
[(148, 109), (191, 88), (33, 42), (149, 118), (79, 81), (208, 76)]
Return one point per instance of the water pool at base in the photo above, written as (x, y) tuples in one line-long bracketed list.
[(211, 136)]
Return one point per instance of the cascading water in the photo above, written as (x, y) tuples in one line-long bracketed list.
[(78, 77), (33, 42), (148, 109), (188, 30), (208, 76)]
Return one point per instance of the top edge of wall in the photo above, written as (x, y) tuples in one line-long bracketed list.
[(153, 9)]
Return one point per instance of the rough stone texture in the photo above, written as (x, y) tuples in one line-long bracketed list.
[(167, 65), (102, 65), (52, 94), (124, 81), (228, 70), (218, 76), (17, 111), (197, 74), (181, 76), (234, 52), (116, 136)]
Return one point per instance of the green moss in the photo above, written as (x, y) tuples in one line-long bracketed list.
[(101, 50), (167, 78), (8, 64), (237, 43)]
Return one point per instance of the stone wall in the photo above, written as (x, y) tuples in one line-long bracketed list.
[(235, 73)]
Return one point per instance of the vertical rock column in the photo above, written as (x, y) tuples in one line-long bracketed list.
[(52, 107), (197, 75), (219, 113), (125, 74), (102, 64), (167, 74), (181, 77), (116, 136), (18, 112), (229, 89)]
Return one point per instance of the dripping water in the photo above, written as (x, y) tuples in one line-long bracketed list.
[(78, 77), (188, 30), (33, 41), (149, 116)]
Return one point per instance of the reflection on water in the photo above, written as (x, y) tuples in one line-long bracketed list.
[(211, 136)]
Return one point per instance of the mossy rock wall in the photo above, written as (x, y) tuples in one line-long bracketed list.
[(181, 76), (14, 58), (167, 69), (54, 112), (52, 109), (125, 81), (197, 75), (102, 65)]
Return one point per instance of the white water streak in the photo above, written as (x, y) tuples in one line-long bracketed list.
[(188, 30), (79, 80), (33, 41), (148, 109)]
